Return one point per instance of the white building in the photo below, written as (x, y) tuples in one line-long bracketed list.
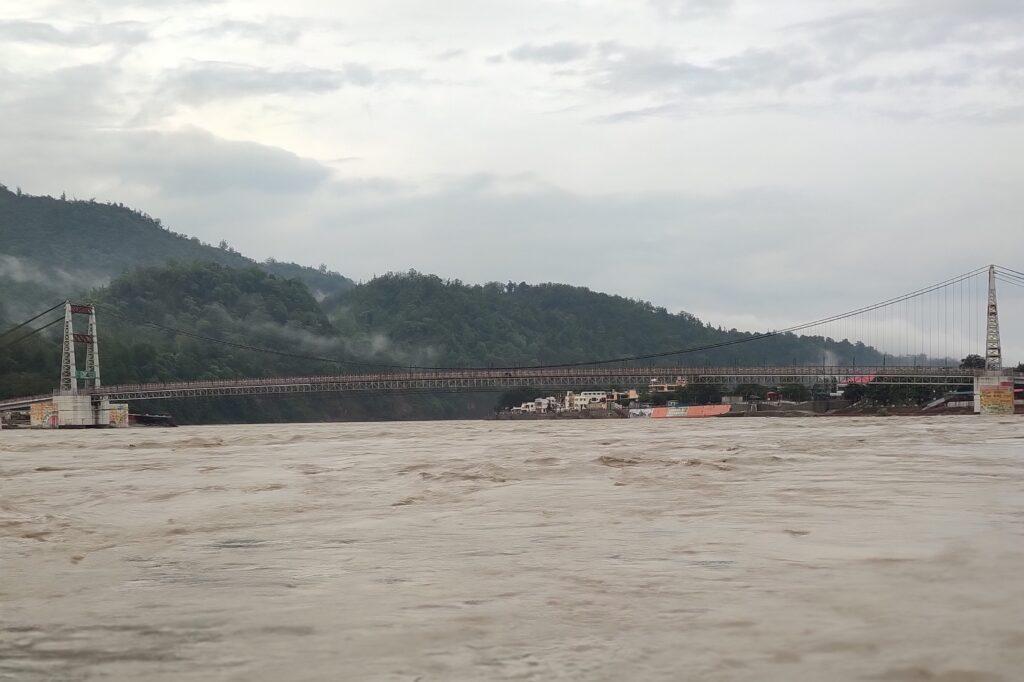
[(549, 404), (576, 401), (583, 399)]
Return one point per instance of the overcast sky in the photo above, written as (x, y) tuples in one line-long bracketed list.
[(755, 163)]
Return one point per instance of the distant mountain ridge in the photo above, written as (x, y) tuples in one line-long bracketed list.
[(56, 246)]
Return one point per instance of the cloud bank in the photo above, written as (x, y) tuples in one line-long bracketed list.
[(753, 163)]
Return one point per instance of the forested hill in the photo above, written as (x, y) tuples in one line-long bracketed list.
[(53, 247), (393, 320), (239, 305), (450, 323), (139, 272), (242, 306), (397, 319)]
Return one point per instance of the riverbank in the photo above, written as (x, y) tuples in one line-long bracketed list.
[(824, 408)]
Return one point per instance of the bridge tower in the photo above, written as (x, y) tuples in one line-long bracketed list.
[(993, 392), (92, 350), (69, 408), (69, 373), (68, 370), (993, 348)]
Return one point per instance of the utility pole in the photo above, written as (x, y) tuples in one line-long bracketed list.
[(993, 349)]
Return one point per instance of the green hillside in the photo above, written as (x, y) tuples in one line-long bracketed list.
[(398, 318), (53, 247), (434, 321), (139, 272), (239, 305)]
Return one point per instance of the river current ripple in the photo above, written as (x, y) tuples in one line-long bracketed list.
[(717, 549)]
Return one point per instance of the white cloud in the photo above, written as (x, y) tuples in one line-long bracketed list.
[(550, 53), (77, 35), (201, 82), (690, 9)]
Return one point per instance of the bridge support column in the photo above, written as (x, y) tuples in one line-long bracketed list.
[(71, 408), (78, 411)]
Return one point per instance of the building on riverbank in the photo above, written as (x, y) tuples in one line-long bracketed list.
[(577, 402)]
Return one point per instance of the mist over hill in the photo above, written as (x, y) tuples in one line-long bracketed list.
[(51, 248)]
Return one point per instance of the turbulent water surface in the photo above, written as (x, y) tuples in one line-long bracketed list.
[(720, 549)]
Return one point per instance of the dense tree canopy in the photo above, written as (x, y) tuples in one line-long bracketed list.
[(450, 323), (238, 305), (973, 361)]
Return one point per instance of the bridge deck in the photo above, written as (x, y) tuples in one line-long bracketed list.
[(499, 379)]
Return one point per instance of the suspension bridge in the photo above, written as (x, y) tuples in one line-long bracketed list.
[(920, 335)]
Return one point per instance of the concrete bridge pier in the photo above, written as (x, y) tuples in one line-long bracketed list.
[(78, 411), (994, 393)]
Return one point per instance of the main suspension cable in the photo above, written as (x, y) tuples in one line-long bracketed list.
[(30, 320), (31, 333)]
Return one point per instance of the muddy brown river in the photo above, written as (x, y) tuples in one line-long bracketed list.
[(704, 549)]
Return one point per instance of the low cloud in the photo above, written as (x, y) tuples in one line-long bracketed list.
[(273, 30), (447, 55), (903, 26), (78, 35), (202, 82), (550, 53), (690, 9), (188, 163), (871, 59), (361, 348), (631, 70), (955, 59), (60, 101), (20, 271), (23, 271), (196, 163)]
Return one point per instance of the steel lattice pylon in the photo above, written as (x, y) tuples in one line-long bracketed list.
[(92, 351), (68, 371), (69, 374), (993, 348)]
